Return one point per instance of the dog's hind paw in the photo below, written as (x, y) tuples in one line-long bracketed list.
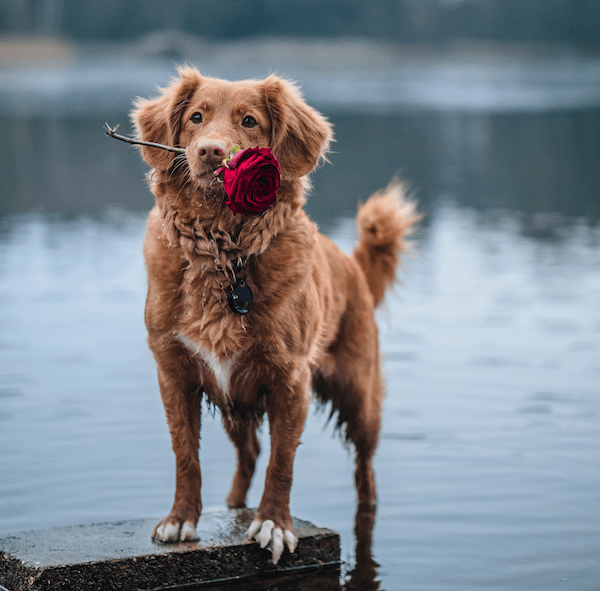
[(266, 534), (172, 530)]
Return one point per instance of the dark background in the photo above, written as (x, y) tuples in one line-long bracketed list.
[(574, 22)]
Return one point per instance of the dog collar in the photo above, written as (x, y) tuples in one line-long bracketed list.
[(239, 296)]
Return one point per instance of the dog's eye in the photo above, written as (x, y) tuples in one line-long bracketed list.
[(196, 118), (249, 121)]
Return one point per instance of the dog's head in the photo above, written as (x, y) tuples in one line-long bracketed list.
[(208, 117)]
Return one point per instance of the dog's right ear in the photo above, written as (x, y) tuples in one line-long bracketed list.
[(159, 120), (300, 134)]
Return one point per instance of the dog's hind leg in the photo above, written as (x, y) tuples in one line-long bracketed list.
[(242, 433), (351, 381), (356, 399), (362, 428)]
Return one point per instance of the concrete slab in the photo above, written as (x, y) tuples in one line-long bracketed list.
[(111, 556)]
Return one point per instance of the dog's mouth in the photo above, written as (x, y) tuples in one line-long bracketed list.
[(207, 182), (206, 175)]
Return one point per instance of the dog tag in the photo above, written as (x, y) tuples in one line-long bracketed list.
[(240, 298)]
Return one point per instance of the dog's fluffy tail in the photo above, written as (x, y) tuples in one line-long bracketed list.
[(384, 222)]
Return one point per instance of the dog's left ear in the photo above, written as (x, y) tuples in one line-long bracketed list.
[(300, 134)]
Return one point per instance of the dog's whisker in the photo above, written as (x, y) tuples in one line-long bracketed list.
[(180, 163)]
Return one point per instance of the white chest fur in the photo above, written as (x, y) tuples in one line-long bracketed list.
[(220, 369)]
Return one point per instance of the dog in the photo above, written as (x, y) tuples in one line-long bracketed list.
[(311, 327)]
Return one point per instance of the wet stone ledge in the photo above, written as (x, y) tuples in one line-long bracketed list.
[(111, 556)]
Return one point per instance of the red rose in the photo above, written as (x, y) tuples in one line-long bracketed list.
[(250, 180)]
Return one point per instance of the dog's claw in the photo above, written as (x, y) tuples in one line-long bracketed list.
[(266, 534), (254, 527), (277, 544), (172, 531), (188, 532), (291, 540)]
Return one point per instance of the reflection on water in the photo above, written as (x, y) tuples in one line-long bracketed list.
[(531, 163), (488, 467), (527, 162), (363, 576), (488, 464)]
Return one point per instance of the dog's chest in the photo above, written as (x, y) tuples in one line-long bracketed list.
[(220, 369), (204, 304)]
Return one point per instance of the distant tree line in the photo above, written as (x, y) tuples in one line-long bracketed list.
[(575, 22)]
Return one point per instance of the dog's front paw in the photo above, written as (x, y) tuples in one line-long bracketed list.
[(276, 538), (173, 529)]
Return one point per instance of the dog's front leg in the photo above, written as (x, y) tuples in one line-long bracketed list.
[(181, 396), (287, 407)]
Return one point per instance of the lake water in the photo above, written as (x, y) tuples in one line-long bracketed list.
[(488, 469)]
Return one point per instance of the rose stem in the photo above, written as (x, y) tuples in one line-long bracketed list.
[(111, 131)]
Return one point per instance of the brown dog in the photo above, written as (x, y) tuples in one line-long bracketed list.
[(312, 325)]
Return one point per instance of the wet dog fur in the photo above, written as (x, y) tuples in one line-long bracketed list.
[(312, 327)]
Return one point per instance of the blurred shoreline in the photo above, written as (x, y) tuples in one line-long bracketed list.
[(67, 79)]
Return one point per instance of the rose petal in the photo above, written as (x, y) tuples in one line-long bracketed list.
[(251, 180), (239, 155)]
